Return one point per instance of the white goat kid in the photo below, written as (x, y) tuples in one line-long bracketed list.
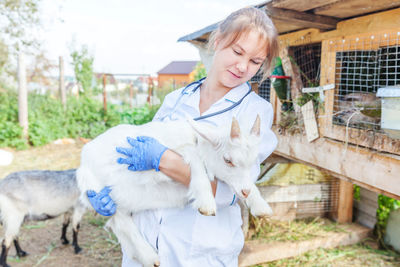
[(38, 195), (211, 152)]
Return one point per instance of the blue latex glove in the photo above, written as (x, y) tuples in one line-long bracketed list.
[(102, 202), (145, 153)]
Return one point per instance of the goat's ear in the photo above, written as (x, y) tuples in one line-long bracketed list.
[(205, 131), (235, 129), (255, 130)]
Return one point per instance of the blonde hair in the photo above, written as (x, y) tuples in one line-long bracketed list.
[(243, 21)]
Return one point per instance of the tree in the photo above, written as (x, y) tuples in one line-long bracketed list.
[(199, 71), (18, 19), (40, 69), (82, 62)]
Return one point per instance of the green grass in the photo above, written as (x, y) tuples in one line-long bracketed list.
[(34, 226), (97, 220), (359, 255), (297, 230)]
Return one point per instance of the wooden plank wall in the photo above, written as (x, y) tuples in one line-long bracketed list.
[(365, 208)]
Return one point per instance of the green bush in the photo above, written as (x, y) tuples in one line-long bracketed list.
[(385, 206), (48, 121), (138, 116), (10, 131)]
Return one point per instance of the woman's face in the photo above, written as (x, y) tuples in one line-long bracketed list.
[(237, 63)]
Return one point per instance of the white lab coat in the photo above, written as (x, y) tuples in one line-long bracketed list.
[(184, 237)]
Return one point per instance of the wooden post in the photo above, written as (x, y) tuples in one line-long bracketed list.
[(254, 87), (149, 97), (345, 202), (22, 95), (273, 100), (63, 95), (292, 70), (131, 95), (104, 93)]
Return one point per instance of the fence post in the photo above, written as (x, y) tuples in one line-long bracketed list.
[(151, 91), (22, 95), (104, 93), (63, 95), (130, 94)]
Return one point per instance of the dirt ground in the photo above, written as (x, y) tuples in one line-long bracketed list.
[(100, 248), (42, 239)]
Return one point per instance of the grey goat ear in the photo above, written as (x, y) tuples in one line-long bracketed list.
[(255, 130), (235, 129)]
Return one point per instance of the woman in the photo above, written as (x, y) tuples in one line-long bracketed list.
[(245, 42)]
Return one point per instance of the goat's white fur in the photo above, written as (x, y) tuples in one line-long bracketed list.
[(206, 149)]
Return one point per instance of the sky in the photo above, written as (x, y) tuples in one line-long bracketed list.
[(129, 36)]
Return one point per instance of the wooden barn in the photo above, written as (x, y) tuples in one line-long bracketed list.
[(176, 74), (344, 55)]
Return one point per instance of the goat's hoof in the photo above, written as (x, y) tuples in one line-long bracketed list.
[(64, 241), (206, 212), (77, 250), (263, 211), (157, 264), (22, 254)]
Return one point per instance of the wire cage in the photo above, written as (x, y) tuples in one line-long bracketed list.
[(299, 190), (363, 65), (264, 88), (308, 58), (305, 57)]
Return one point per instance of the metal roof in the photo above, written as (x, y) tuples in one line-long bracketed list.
[(178, 67)]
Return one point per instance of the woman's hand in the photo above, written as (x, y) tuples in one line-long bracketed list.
[(145, 154), (102, 202)]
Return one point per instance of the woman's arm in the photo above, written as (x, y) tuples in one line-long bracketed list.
[(173, 165)]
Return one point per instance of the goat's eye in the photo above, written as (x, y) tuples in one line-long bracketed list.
[(227, 161)]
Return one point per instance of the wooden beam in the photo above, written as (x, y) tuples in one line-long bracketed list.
[(372, 170), (352, 8), (274, 158), (351, 28), (302, 19), (258, 251), (301, 5)]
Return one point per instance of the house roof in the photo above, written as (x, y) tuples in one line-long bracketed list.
[(178, 67), (293, 15), (110, 77)]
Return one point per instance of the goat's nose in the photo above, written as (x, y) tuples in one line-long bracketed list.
[(245, 192)]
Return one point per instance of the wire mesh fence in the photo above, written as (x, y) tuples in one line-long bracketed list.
[(363, 65), (264, 87), (356, 67), (308, 59), (306, 191)]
